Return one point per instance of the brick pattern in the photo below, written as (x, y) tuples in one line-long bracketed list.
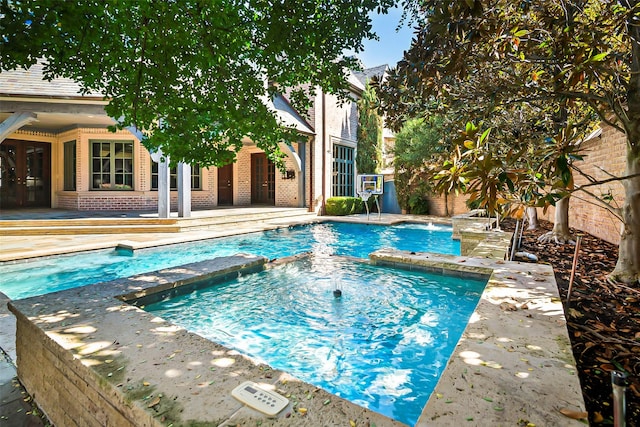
[(309, 203), (287, 189), (603, 156), (94, 201), (341, 119), (243, 179), (457, 205), (71, 397)]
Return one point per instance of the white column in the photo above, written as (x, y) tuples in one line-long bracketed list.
[(184, 190), (164, 185)]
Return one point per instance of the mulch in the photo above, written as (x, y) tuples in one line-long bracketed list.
[(603, 319)]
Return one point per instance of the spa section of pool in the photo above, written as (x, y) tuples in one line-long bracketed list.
[(382, 342)]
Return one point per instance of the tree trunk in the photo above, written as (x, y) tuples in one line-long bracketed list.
[(628, 265), (560, 233), (446, 204), (532, 217)]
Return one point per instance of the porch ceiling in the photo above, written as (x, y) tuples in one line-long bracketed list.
[(57, 122)]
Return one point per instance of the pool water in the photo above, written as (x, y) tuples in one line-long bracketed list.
[(382, 345), (45, 275)]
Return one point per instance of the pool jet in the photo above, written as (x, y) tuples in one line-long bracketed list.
[(337, 292)]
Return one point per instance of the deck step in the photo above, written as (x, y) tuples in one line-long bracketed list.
[(140, 225)]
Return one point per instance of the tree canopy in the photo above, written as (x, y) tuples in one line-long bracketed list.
[(560, 60), (194, 76)]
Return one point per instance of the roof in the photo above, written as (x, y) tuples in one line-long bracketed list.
[(31, 83), (365, 75), (290, 117), (355, 82)]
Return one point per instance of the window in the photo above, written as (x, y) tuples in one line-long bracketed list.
[(343, 168), (70, 166), (111, 165), (173, 178)]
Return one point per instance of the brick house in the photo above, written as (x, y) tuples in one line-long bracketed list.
[(56, 151)]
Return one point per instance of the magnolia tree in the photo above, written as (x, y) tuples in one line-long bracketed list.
[(194, 76), (566, 59)]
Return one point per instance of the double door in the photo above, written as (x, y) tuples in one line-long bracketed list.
[(263, 180), (25, 174)]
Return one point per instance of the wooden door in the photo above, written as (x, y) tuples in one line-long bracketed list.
[(263, 180), (225, 185), (25, 174)]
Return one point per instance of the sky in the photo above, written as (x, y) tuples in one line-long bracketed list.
[(392, 44)]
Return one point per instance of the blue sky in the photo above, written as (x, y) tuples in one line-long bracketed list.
[(392, 44)]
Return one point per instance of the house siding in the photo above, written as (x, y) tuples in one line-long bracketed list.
[(339, 126)]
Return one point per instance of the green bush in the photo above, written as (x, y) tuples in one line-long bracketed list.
[(418, 204), (339, 206)]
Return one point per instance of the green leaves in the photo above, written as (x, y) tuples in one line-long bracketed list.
[(195, 76), (598, 57), (416, 153), (369, 134), (540, 75)]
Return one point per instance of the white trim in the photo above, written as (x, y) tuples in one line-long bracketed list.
[(15, 122)]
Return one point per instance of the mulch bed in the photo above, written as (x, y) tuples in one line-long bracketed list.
[(603, 319)]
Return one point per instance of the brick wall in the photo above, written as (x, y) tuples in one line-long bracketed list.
[(65, 387), (604, 155), (120, 201), (457, 205), (287, 189), (243, 179), (117, 202)]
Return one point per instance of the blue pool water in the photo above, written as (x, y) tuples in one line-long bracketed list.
[(382, 345), (21, 280)]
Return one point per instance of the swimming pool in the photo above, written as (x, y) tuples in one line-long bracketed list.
[(45, 275), (383, 344)]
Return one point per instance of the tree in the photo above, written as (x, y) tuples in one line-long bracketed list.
[(369, 134), (552, 54), (416, 149), (194, 76)]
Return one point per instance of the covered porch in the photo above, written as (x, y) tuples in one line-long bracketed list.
[(56, 152)]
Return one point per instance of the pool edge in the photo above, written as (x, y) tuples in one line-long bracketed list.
[(514, 362)]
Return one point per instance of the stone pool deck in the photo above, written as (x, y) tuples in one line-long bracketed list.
[(513, 365)]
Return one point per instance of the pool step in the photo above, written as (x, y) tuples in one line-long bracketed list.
[(144, 225)]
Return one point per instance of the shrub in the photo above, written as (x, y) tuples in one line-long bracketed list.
[(339, 206), (418, 204)]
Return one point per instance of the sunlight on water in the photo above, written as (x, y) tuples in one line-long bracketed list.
[(382, 345), (22, 280)]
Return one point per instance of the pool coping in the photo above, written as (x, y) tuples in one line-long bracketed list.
[(101, 361), (515, 349), (514, 363)]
